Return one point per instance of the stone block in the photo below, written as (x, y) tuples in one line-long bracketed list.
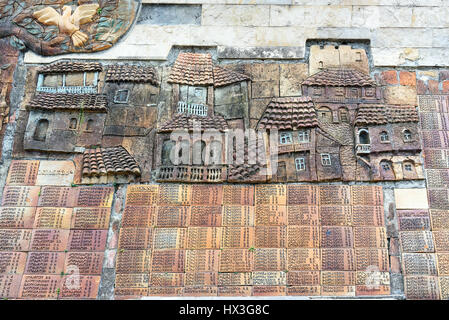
[(401, 95), (291, 76)]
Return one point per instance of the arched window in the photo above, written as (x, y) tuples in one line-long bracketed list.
[(40, 133), (325, 114), (384, 136), (320, 65), (364, 136), (215, 153), (408, 166), (166, 153), (183, 156), (386, 170), (344, 115), (73, 123), (198, 152), (407, 135), (90, 125)]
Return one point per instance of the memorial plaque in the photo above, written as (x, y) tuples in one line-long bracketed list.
[(274, 194), (270, 215), (236, 260), (170, 238), (86, 287), (202, 260), (367, 237), (303, 278), (94, 197), (378, 290), (238, 216), (168, 261), (335, 195), (40, 286), (15, 239), (12, 262), (200, 291), (142, 195), (10, 285), (367, 196), (410, 220), (166, 279), (236, 291), (90, 263), (172, 216), (335, 215), (338, 278), (270, 237), (175, 194), (269, 278), (303, 237), (236, 237), (336, 237), (17, 217), (91, 218), (304, 291), (441, 238), (416, 241), (205, 216), (204, 237), (201, 279), (235, 279), (367, 258), (133, 261), (419, 264), (421, 287), (58, 197), (165, 291), (337, 259), (303, 259), (49, 240), (303, 215), (238, 195), (139, 217), (347, 291), (207, 194), (270, 259), (136, 280), (444, 287), (439, 219), (438, 198), (368, 216), (302, 195), (20, 196), (443, 264), (45, 263), (130, 292), (22, 173), (88, 240), (437, 178), (436, 158), (55, 173), (53, 218), (372, 278), (269, 291), (135, 238)]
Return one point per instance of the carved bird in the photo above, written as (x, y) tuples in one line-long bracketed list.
[(67, 23)]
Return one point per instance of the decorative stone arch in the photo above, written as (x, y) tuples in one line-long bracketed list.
[(363, 136)]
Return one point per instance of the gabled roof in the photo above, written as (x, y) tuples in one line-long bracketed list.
[(340, 77), (289, 114), (382, 114), (113, 160), (189, 122), (131, 73), (224, 77), (69, 66), (53, 101)]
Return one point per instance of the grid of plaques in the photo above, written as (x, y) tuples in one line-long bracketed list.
[(429, 269), (263, 240), (52, 237)]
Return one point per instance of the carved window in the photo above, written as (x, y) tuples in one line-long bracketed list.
[(364, 137), (121, 96), (40, 133), (73, 124), (326, 159), (384, 136), (317, 91), (320, 65), (198, 152), (300, 164), (285, 138), (166, 153), (325, 114), (90, 125), (385, 165), (215, 152), (358, 57), (408, 167), (339, 91), (344, 115), (369, 92), (303, 136), (407, 135)]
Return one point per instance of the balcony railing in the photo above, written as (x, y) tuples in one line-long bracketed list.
[(190, 174), (363, 148), (69, 89), (192, 108)]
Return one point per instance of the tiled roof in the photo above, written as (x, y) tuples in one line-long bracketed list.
[(183, 121), (193, 69), (52, 101), (131, 73), (113, 160), (289, 114), (244, 171), (223, 77), (340, 77), (68, 66), (383, 114)]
